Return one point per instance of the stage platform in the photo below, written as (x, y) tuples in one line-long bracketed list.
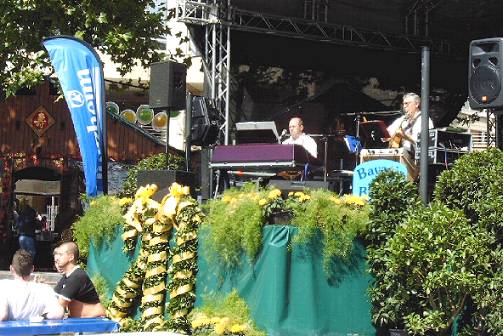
[(286, 288)]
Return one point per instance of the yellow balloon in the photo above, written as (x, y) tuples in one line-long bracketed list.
[(160, 121), (129, 115)]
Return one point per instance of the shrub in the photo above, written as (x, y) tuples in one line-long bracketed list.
[(153, 162), (474, 186), (339, 220), (436, 261), (98, 223), (392, 198)]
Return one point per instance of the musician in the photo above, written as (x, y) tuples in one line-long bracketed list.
[(297, 136), (406, 130)]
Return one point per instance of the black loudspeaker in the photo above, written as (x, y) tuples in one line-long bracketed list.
[(164, 178), (286, 186), (485, 73), (167, 85), (204, 130)]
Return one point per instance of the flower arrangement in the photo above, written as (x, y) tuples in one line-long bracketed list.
[(224, 316), (339, 219)]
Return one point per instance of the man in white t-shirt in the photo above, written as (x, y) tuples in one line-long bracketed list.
[(407, 129), (297, 136), (23, 299)]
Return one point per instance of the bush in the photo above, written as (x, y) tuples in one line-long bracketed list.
[(436, 261), (233, 226), (392, 198), (153, 162), (339, 220), (98, 223), (474, 186)]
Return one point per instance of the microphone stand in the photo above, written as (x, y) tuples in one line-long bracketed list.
[(357, 153)]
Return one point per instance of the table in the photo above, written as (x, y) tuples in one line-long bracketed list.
[(70, 325)]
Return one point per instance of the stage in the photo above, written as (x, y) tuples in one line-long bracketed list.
[(286, 288)]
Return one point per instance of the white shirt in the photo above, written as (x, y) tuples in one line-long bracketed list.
[(305, 141), (413, 131), (27, 299)]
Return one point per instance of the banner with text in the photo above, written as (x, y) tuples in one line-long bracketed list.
[(80, 74), (365, 173)]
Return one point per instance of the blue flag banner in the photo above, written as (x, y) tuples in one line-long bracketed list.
[(80, 74), (365, 173)]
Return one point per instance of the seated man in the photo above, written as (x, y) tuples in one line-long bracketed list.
[(297, 136), (75, 290), (23, 299)]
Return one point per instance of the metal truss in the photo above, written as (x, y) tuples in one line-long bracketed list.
[(418, 16), (218, 18), (332, 33), (213, 15), (492, 131)]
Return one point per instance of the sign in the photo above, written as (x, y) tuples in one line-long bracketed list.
[(366, 172), (80, 74), (40, 120)]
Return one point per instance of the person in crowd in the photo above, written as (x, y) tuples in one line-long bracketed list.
[(23, 299), (75, 289), (297, 136), (27, 225)]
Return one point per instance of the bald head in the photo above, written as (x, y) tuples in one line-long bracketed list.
[(296, 127), (70, 248)]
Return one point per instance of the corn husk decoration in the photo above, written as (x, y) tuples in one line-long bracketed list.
[(183, 269), (154, 222)]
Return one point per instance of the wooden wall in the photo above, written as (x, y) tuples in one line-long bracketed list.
[(125, 142)]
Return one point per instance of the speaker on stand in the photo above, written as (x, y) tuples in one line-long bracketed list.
[(485, 78), (167, 90)]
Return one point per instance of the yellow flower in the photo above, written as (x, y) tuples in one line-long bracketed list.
[(145, 191), (237, 328), (352, 199), (125, 201), (178, 190), (226, 199), (304, 198), (215, 320), (336, 200), (273, 194), (298, 194), (290, 194), (220, 328), (262, 202), (199, 322)]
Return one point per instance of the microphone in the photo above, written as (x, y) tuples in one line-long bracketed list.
[(283, 135)]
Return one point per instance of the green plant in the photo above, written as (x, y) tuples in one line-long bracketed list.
[(98, 223), (436, 261), (234, 222), (229, 315), (392, 198), (338, 219), (157, 161), (102, 289), (233, 226), (474, 186)]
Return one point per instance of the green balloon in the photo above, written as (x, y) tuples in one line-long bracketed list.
[(145, 115)]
